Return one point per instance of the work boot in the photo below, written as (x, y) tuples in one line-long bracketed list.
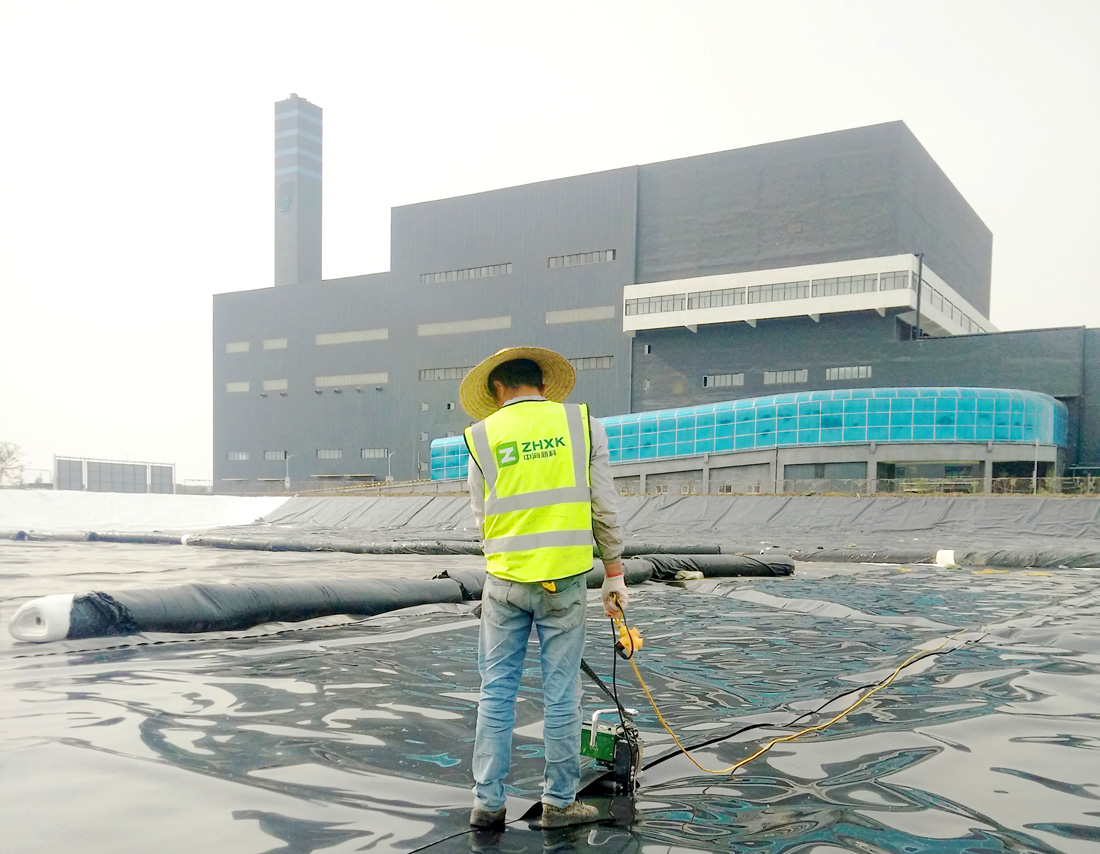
[(575, 813), (480, 817)]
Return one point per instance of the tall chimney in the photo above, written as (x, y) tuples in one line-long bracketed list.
[(297, 191)]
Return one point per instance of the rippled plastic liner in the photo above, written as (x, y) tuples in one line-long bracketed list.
[(340, 735)]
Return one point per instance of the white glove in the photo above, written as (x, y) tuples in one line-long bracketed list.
[(614, 595)]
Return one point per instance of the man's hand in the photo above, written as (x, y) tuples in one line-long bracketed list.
[(613, 593)]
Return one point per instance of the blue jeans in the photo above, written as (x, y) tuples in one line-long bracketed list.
[(508, 610)]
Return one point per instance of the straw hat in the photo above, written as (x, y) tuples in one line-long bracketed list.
[(558, 378)]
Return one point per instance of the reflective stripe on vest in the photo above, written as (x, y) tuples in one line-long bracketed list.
[(534, 457)]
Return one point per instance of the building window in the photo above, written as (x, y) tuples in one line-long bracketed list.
[(716, 299), (238, 456), (723, 380), (450, 405), (274, 343), (433, 374), (325, 338), (647, 349), (423, 406), (580, 259), (852, 372), (779, 292), (236, 347), (844, 285), (466, 273), (423, 436), (236, 388), (274, 455), (591, 363), (660, 489), (329, 453), (895, 281), (581, 315), (779, 377), (657, 304), (352, 379), (274, 385), (372, 453)]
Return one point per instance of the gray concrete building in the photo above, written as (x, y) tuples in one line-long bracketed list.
[(722, 276)]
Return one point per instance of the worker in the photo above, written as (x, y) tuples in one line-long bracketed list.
[(541, 488)]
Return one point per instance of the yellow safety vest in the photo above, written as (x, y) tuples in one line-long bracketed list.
[(534, 456)]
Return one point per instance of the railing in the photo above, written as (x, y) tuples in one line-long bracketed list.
[(1086, 485)]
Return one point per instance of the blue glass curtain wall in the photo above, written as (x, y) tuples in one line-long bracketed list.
[(832, 417)]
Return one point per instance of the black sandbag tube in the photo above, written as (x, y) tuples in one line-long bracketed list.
[(331, 543), (152, 538), (666, 567), (871, 555), (203, 607), (642, 549)]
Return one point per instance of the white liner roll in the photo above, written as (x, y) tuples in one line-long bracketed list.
[(45, 619)]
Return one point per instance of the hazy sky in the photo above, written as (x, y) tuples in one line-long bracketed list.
[(136, 152)]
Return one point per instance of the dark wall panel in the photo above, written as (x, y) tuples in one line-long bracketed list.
[(1089, 449), (934, 218), (824, 198), (860, 193)]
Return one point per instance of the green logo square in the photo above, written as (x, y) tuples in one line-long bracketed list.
[(507, 454)]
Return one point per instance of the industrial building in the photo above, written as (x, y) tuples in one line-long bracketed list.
[(843, 262)]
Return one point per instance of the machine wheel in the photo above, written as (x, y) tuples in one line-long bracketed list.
[(625, 766)]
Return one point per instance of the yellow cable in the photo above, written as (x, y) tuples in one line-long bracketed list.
[(781, 739)]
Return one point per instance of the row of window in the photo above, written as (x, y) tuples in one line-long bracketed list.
[(723, 380), (845, 285), (581, 258), (492, 270), (778, 377), (584, 363), (467, 273), (591, 363), (837, 286), (322, 454), (852, 372), (433, 374), (449, 327), (334, 382)]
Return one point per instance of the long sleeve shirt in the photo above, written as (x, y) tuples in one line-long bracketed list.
[(605, 514)]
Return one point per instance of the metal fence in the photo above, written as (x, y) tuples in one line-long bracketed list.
[(1087, 485)]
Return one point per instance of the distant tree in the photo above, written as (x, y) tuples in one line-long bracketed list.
[(11, 463)]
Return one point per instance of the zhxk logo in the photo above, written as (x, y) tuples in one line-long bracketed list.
[(507, 454)]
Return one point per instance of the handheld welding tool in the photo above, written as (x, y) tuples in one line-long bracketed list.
[(614, 744)]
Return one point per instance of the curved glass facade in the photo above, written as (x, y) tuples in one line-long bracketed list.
[(809, 418)]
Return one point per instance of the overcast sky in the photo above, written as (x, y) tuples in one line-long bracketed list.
[(136, 152)]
